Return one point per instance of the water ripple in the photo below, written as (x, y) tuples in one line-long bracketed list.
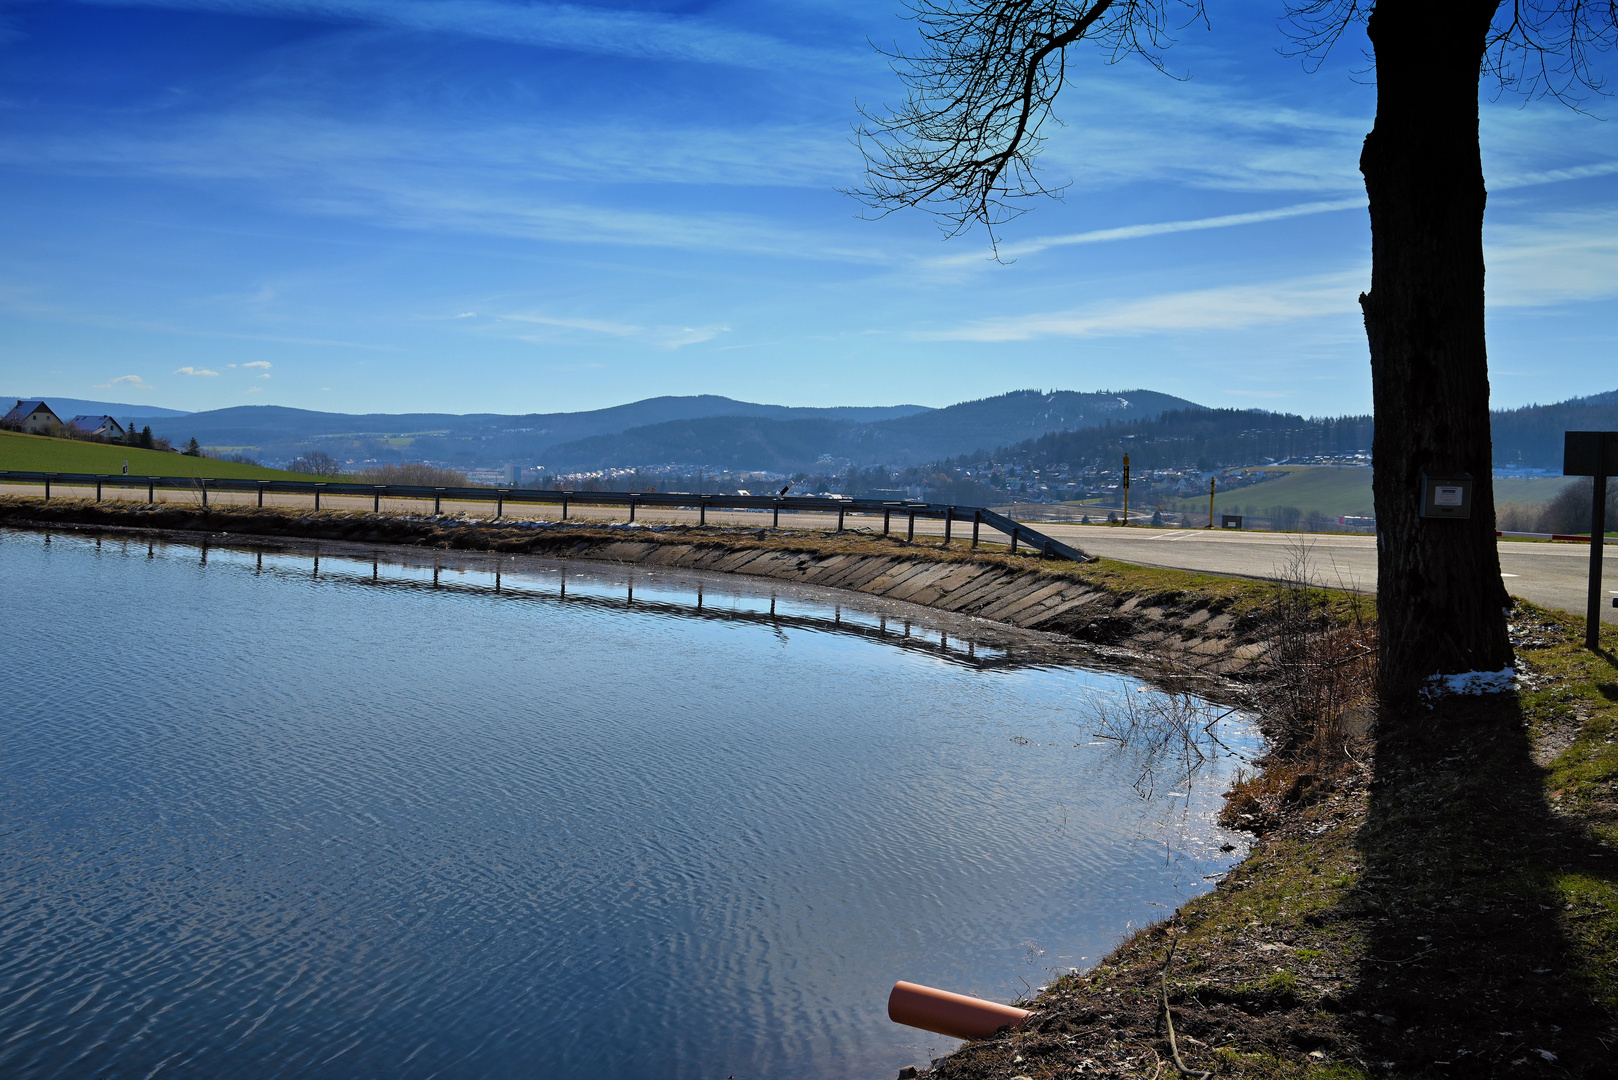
[(264, 819)]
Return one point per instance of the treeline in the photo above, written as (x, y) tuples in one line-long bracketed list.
[(1531, 437), (1203, 439), (1568, 512)]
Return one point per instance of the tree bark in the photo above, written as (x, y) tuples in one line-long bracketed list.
[(1441, 605)]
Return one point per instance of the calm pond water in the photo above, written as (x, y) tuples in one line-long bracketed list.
[(268, 813)]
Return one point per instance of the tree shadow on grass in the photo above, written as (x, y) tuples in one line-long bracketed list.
[(1489, 915)]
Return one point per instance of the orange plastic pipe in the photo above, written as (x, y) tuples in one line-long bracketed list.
[(955, 1015)]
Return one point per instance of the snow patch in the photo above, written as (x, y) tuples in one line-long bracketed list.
[(1471, 682)]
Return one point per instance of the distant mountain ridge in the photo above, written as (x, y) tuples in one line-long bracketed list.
[(736, 442), (260, 425), (698, 430), (67, 408)]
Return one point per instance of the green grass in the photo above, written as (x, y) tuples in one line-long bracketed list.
[(1343, 491), (40, 453)]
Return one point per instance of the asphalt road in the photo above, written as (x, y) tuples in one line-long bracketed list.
[(1553, 575)]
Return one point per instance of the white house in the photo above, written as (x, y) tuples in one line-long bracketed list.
[(33, 417), (104, 426)]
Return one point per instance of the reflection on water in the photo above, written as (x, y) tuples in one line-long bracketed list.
[(305, 812)]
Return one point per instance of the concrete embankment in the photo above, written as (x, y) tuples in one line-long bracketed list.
[(1172, 616)]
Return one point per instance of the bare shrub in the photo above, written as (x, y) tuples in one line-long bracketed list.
[(1175, 733), (1569, 511), (317, 463), (414, 473), (1317, 698), (1321, 661)]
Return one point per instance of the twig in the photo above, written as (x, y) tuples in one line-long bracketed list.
[(1168, 1016), (1407, 960)]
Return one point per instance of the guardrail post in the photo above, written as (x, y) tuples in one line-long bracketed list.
[(977, 519), (98, 489), (910, 533), (151, 488), (631, 511), (438, 502), (702, 510), (204, 485), (261, 494), (887, 520), (949, 520), (776, 523), (1014, 540), (317, 495), (376, 499), (47, 489), (839, 519), (499, 512)]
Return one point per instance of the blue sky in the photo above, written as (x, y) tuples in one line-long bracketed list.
[(487, 205)]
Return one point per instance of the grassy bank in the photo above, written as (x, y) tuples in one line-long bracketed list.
[(41, 453), (1441, 900)]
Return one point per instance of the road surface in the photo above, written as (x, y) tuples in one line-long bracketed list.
[(1553, 575)]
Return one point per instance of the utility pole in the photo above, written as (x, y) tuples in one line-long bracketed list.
[(1211, 483)]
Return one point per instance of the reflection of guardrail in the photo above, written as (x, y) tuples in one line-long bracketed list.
[(950, 514)]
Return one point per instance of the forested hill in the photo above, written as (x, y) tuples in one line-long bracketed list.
[(1529, 437), (1197, 439), (742, 442)]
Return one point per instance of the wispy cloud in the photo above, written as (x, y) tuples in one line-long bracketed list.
[(1228, 308), (667, 337), (263, 365), (189, 370), (1554, 258), (642, 35), (1160, 228), (488, 182), (1551, 259), (125, 382), (594, 326)]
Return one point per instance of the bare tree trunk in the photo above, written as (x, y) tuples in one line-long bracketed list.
[(1440, 601)]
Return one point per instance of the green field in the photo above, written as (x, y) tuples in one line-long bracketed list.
[(39, 453), (1343, 492)]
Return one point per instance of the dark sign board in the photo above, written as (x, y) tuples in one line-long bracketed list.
[(1582, 451), (1230, 521), (1446, 496)]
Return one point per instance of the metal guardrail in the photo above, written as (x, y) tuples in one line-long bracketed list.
[(949, 513)]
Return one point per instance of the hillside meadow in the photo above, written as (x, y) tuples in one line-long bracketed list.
[(41, 453), (1343, 491)]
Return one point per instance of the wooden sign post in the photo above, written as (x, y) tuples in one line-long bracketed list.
[(1593, 454), (1126, 489)]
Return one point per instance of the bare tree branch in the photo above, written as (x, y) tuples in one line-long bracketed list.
[(978, 93), (1537, 48)]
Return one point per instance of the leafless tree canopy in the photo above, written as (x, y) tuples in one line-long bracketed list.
[(1535, 47), (984, 81), (979, 91)]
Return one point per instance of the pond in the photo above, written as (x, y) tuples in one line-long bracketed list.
[(317, 810)]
